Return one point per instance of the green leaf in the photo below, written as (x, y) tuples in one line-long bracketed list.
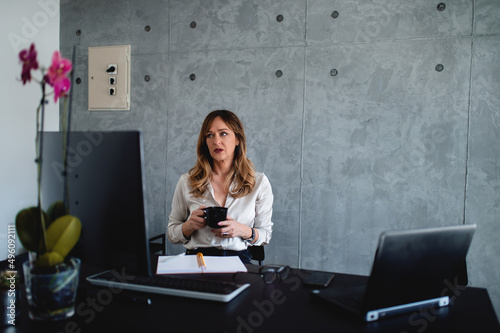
[(29, 230), (63, 234), (49, 259), (55, 211)]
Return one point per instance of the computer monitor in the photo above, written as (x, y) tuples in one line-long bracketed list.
[(105, 182)]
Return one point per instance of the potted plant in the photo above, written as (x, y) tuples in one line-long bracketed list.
[(51, 277)]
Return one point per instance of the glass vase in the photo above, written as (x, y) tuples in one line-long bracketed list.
[(51, 292)]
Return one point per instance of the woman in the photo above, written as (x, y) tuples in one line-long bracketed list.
[(222, 176)]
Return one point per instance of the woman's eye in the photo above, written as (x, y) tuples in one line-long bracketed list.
[(210, 135)]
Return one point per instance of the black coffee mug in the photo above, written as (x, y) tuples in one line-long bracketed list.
[(214, 215)]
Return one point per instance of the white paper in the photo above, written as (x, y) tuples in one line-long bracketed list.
[(189, 264)]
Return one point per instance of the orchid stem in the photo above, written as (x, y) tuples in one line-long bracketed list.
[(65, 134), (39, 149)]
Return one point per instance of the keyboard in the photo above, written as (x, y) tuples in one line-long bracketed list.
[(212, 290)]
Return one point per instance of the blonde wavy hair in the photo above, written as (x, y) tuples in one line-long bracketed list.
[(242, 171)]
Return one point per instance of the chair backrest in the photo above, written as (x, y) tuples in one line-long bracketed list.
[(257, 253), (157, 247)]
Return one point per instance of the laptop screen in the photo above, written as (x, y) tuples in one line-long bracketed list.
[(105, 183), (416, 265)]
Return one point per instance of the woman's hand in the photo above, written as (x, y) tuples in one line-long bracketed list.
[(232, 228), (196, 221)]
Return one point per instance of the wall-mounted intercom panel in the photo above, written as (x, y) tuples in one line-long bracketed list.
[(109, 78)]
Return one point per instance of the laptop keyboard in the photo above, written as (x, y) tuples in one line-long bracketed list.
[(215, 290)]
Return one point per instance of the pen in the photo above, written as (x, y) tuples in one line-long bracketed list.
[(201, 261)]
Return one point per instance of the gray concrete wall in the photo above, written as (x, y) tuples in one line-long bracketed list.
[(384, 117)]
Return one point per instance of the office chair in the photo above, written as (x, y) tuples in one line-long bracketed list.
[(155, 247), (257, 253)]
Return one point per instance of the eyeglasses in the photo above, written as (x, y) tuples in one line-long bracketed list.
[(271, 273)]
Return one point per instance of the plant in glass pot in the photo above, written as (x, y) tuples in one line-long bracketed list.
[(51, 277)]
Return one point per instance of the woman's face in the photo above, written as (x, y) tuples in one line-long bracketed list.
[(221, 141)]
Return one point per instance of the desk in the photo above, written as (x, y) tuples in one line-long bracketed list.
[(285, 306)]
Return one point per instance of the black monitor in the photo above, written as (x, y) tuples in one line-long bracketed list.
[(105, 182)]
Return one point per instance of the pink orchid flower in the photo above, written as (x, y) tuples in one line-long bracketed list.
[(28, 57), (57, 77)]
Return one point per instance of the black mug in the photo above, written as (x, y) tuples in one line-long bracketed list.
[(214, 215)]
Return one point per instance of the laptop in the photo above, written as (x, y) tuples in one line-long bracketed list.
[(105, 185), (412, 270)]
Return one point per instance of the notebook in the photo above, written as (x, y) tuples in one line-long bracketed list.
[(412, 269), (182, 264)]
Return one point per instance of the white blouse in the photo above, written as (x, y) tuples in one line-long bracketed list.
[(254, 210)]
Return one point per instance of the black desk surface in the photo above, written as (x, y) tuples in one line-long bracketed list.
[(285, 306)]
